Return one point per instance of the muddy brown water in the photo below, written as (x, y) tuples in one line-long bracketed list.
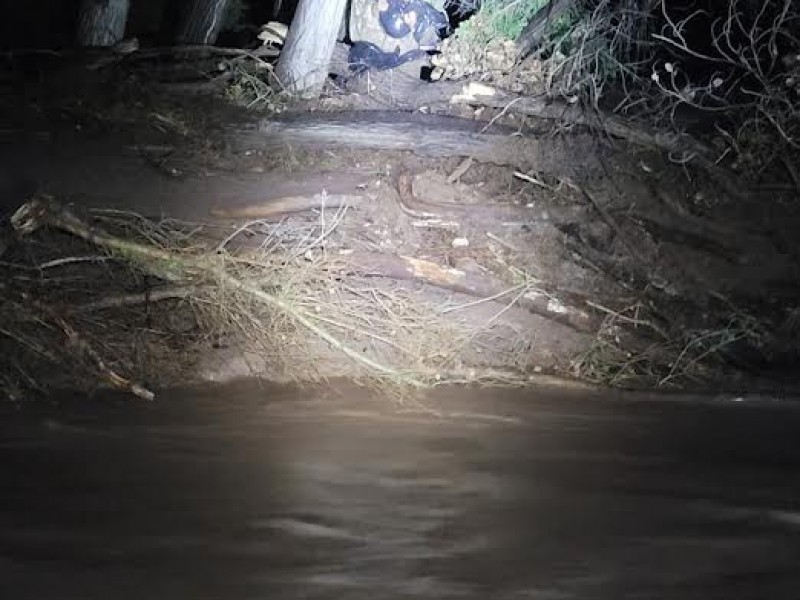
[(249, 492)]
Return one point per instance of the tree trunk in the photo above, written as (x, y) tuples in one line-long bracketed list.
[(102, 22), (305, 59), (202, 21)]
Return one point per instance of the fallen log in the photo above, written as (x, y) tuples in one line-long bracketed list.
[(436, 135), (426, 135)]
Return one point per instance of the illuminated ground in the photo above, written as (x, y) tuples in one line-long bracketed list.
[(634, 271)]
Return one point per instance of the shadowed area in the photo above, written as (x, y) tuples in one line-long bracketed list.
[(247, 492)]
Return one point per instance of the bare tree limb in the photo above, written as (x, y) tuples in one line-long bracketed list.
[(41, 212)]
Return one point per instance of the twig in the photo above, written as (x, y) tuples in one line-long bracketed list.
[(84, 348), (494, 318), (341, 211), (134, 299), (479, 301), (60, 262), (460, 170), (697, 341), (246, 227), (502, 242), (25, 343), (631, 320), (531, 179), (499, 115), (114, 378)]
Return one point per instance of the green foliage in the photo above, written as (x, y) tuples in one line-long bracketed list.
[(499, 19), (561, 27)]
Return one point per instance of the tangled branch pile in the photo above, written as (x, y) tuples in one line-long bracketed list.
[(746, 76), (285, 295), (669, 65)]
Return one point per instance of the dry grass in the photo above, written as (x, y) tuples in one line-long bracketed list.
[(254, 86), (672, 360)]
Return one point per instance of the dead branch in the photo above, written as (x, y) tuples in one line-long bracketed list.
[(681, 147), (471, 282), (202, 51), (148, 297), (42, 212), (85, 349), (445, 93), (749, 74), (279, 207)]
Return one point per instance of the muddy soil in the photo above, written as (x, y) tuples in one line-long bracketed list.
[(664, 276)]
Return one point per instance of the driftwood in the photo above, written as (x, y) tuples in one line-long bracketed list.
[(427, 135), (471, 282), (279, 207), (682, 148)]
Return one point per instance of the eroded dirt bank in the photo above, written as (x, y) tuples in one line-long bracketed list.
[(413, 247)]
